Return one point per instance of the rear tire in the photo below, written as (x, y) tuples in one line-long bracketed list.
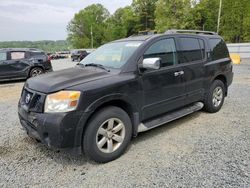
[(215, 97), (108, 134), (36, 71)]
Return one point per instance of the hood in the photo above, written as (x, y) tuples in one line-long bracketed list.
[(58, 80)]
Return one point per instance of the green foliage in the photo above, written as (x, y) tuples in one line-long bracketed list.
[(149, 15), (79, 29), (122, 24), (172, 14), (205, 15), (236, 20), (145, 10), (160, 15), (47, 45)]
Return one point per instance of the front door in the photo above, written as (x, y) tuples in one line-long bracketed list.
[(164, 88), (4, 67)]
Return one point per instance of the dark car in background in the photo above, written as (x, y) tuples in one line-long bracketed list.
[(80, 54), (22, 63)]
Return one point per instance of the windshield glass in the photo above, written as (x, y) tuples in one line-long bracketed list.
[(112, 55)]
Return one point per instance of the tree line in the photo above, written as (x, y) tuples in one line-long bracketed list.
[(94, 25), (46, 45)]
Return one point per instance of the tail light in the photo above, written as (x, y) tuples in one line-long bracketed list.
[(49, 59)]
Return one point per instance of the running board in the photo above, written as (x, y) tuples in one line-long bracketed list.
[(170, 117)]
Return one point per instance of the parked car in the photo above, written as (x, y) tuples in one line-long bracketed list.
[(22, 63), (78, 55), (125, 87)]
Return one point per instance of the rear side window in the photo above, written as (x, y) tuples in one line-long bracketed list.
[(218, 49), (36, 54), (17, 55), (3, 56), (191, 49), (164, 49)]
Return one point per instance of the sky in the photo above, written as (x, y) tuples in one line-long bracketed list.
[(43, 19)]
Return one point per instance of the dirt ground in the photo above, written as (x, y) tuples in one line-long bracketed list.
[(200, 150)]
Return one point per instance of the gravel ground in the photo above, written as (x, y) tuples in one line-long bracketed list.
[(200, 150)]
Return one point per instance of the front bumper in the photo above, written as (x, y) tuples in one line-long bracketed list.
[(57, 131)]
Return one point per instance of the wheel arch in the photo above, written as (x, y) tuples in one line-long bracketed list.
[(118, 101), (222, 78)]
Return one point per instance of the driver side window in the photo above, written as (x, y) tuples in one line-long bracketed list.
[(164, 49), (3, 56)]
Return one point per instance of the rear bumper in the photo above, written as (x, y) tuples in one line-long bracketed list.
[(49, 70), (56, 131), (230, 76)]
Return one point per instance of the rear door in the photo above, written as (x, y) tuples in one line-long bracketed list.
[(163, 88), (192, 57), (18, 64)]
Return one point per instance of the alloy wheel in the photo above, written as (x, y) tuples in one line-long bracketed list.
[(110, 135)]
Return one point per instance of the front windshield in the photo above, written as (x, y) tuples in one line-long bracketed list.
[(112, 55)]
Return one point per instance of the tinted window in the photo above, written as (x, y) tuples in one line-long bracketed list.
[(190, 50), (3, 56), (164, 49), (37, 53), (218, 49), (17, 55)]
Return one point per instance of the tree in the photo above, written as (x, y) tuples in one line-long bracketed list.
[(235, 20), (79, 28), (205, 15), (172, 14), (122, 23), (145, 10)]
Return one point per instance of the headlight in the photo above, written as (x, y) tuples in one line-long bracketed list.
[(62, 101)]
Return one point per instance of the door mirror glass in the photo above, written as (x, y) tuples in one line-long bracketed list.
[(151, 63)]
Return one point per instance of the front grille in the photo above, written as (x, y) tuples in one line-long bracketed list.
[(32, 100)]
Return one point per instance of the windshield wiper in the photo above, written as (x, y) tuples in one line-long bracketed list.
[(97, 65)]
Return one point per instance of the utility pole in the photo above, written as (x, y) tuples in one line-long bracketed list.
[(219, 15), (92, 40)]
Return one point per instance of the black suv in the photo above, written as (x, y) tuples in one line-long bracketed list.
[(22, 63), (126, 87)]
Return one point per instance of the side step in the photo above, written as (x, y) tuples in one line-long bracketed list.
[(170, 117)]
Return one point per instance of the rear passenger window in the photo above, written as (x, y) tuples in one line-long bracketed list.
[(36, 54), (191, 50), (17, 55), (164, 49), (218, 49)]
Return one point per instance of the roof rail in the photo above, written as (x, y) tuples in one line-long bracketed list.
[(173, 31)]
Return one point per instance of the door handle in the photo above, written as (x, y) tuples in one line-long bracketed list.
[(178, 73)]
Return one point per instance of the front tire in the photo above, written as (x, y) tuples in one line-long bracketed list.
[(215, 97), (107, 135)]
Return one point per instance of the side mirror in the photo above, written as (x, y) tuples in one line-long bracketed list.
[(151, 63)]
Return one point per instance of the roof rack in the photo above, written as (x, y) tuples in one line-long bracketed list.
[(173, 31)]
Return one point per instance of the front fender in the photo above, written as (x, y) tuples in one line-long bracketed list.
[(108, 98)]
